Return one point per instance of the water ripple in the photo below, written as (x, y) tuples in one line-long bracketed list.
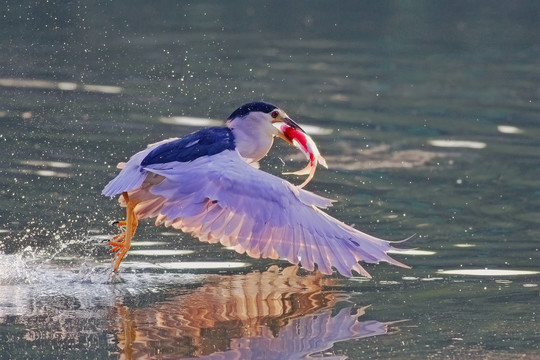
[(59, 85)]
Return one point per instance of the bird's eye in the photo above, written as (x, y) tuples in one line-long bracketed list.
[(274, 114)]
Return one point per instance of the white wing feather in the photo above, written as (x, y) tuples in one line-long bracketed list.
[(223, 199)]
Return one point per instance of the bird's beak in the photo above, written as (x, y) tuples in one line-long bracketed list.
[(290, 123)]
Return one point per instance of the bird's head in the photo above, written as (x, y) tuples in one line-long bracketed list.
[(261, 118), (255, 125)]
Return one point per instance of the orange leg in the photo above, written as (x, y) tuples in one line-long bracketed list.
[(122, 242)]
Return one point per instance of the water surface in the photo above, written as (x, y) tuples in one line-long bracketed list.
[(427, 113)]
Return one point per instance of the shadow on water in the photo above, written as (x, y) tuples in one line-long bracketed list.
[(51, 310)]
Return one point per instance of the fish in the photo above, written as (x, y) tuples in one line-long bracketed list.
[(307, 146)]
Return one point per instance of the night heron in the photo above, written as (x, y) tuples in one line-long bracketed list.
[(208, 184)]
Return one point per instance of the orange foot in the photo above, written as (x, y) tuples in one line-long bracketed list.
[(122, 242)]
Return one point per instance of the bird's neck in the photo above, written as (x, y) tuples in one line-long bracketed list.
[(253, 142)]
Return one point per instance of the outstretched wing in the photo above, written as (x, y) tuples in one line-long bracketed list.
[(221, 198)]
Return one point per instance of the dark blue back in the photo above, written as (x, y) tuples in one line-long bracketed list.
[(205, 142)]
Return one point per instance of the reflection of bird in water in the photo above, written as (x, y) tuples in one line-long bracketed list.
[(269, 315), (204, 184)]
